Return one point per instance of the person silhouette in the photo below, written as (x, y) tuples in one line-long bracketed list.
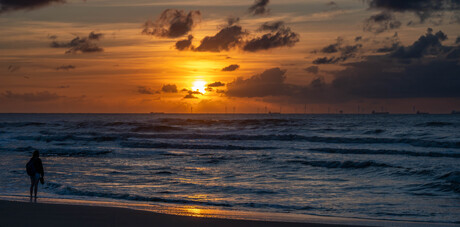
[(35, 170)]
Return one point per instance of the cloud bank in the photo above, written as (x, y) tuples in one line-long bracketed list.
[(172, 23), (83, 45), (268, 83), (424, 69), (12, 5), (424, 9)]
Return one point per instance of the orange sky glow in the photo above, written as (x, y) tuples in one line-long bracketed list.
[(216, 57)]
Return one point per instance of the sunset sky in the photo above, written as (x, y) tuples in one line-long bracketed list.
[(243, 56)]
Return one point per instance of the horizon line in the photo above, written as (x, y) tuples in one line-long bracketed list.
[(276, 113)]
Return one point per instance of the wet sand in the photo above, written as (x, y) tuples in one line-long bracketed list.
[(14, 213)]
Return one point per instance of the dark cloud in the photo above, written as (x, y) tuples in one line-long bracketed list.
[(345, 51), (65, 67), (83, 45), (312, 69), (95, 36), (326, 60), (259, 7), (231, 36), (172, 23), (268, 83), (454, 54), (424, 9), (358, 38), (194, 92), (31, 97), (216, 84), (146, 90), (13, 68), (390, 44), (271, 26), (271, 83), (225, 39), (428, 44), (433, 78), (434, 75), (64, 86), (279, 36), (381, 22), (191, 94), (184, 44), (169, 88), (349, 51), (11, 5), (332, 48), (232, 20), (391, 48), (231, 68)]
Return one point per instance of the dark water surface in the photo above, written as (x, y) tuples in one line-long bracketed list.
[(398, 167)]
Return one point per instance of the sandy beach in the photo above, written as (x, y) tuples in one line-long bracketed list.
[(14, 213)]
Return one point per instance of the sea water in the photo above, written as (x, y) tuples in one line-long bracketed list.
[(392, 167)]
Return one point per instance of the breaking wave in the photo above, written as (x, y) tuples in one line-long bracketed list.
[(190, 146), (435, 124), (66, 190), (20, 124), (61, 152), (340, 164), (386, 152), (247, 137)]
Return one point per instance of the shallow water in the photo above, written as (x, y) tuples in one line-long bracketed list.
[(396, 167)]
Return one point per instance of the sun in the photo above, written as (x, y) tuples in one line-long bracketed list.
[(200, 86)]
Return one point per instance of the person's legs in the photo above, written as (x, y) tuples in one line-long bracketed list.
[(35, 185), (32, 183)]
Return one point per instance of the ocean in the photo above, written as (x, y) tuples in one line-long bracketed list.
[(385, 167)]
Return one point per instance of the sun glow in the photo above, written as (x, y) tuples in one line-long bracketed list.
[(200, 86)]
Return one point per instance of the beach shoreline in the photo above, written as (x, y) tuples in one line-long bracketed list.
[(14, 213), (17, 211)]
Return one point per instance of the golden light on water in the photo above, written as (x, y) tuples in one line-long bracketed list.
[(199, 85), (195, 212)]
